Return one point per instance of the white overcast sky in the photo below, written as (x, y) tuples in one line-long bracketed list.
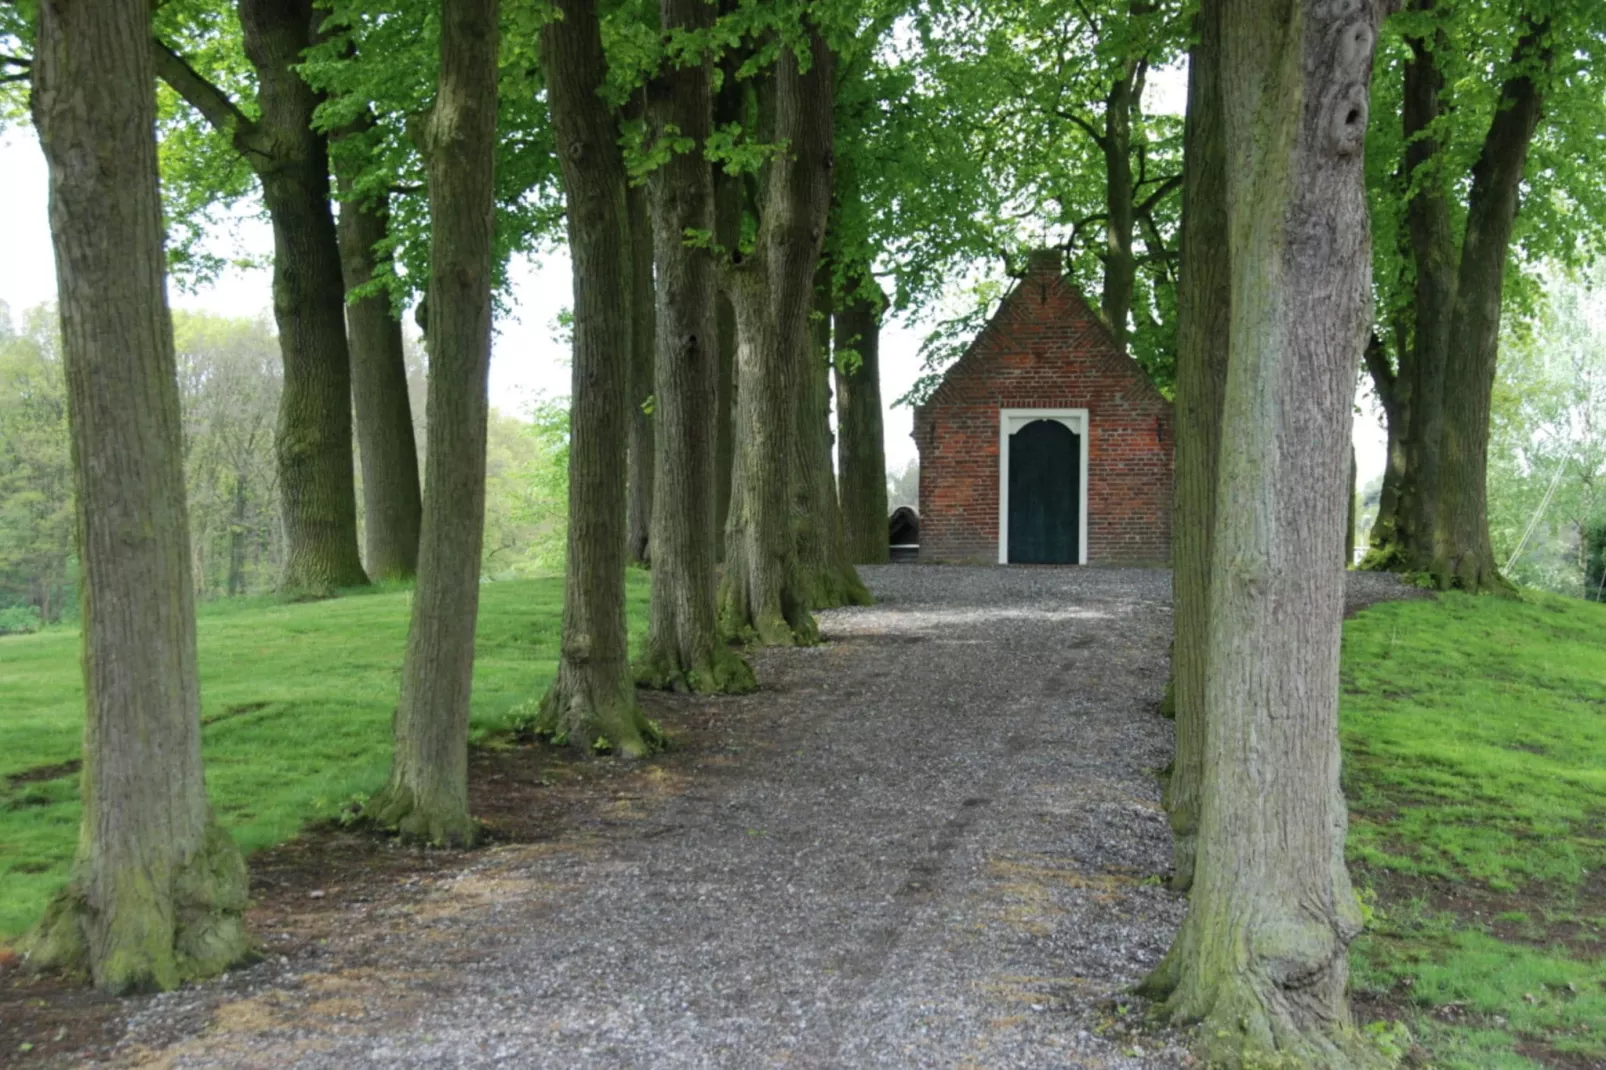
[(527, 361)]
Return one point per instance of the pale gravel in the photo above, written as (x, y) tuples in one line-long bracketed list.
[(945, 852)]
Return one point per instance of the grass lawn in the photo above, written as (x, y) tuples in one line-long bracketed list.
[(1475, 747), (297, 701)]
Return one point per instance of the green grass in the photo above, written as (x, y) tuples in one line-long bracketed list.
[(1475, 739), (297, 700)]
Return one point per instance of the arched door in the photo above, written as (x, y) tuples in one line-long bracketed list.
[(1045, 494)]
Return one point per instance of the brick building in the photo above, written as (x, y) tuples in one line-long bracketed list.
[(1044, 443)]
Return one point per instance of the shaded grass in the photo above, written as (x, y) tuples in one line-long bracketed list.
[(1475, 747), (297, 701)]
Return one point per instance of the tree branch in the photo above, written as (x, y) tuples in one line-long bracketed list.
[(1091, 130), (1383, 378), (213, 103), (1167, 185)]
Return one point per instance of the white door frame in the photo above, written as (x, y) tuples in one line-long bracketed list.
[(1012, 420)]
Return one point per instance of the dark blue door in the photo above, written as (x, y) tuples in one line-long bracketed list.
[(1045, 494)]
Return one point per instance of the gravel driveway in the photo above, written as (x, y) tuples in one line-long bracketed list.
[(935, 841)]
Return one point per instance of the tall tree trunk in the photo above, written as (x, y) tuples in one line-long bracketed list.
[(392, 504), (1204, 300), (684, 651), (1432, 243), (822, 548), (730, 106), (861, 449), (427, 796), (1120, 263), (1394, 395), (593, 699), (638, 522), (1462, 554), (237, 539), (764, 593), (158, 889), (1262, 958), (314, 439)]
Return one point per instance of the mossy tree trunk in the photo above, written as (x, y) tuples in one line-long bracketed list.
[(1262, 958), (316, 485), (1204, 298), (392, 501), (427, 795), (684, 651), (158, 890), (593, 701), (1462, 554), (765, 591), (730, 106), (861, 446), (822, 548), (643, 466)]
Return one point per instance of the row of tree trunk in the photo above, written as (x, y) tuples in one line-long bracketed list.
[(333, 356), (1433, 512), (158, 889)]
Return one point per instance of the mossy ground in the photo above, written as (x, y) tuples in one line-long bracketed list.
[(297, 698), (1475, 750)]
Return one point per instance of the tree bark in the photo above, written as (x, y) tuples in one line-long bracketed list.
[(392, 503), (642, 465), (822, 548), (1204, 300), (1462, 554), (318, 494), (157, 893), (1262, 958), (1432, 243), (1120, 262), (592, 704), (1394, 395), (730, 106), (426, 798), (684, 651), (861, 449), (765, 593)]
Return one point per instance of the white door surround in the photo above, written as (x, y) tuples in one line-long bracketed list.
[(1012, 420)]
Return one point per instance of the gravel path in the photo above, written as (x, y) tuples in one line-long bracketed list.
[(933, 842)]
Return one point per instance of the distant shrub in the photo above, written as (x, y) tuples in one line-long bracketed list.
[(19, 620)]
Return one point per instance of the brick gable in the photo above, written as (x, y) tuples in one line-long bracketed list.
[(1046, 349)]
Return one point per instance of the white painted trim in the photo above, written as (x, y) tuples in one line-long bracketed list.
[(1012, 420)]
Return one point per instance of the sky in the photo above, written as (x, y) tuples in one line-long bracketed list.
[(527, 359)]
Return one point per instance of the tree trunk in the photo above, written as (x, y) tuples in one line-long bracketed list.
[(1204, 299), (1262, 958), (1462, 554), (592, 704), (765, 593), (822, 547), (861, 449), (1120, 263), (684, 651), (1432, 242), (427, 796), (730, 106), (642, 464), (237, 539), (1394, 394), (318, 492), (157, 893), (392, 505)]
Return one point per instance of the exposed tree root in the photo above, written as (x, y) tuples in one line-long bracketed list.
[(581, 710), (150, 938), (1472, 572), (718, 670), (434, 818)]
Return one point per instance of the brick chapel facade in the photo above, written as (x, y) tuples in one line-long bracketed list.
[(1045, 443)]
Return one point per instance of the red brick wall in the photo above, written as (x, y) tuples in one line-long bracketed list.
[(1045, 349)]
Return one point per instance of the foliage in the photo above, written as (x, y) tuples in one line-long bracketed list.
[(527, 492), (1476, 772), (36, 501), (1547, 450), (296, 706)]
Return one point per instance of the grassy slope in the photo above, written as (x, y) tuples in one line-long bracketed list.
[(297, 699), (1475, 734)]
